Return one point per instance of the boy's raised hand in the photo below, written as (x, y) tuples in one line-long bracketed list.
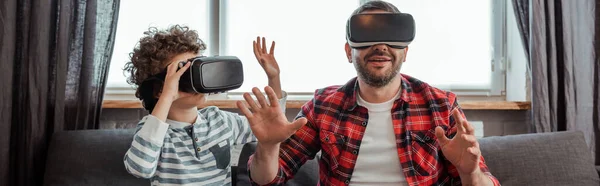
[(171, 86), (266, 59), (170, 91), (268, 123)]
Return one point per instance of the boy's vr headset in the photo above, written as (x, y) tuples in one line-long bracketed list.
[(209, 75), (394, 29)]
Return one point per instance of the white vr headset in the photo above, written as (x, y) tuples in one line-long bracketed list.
[(394, 29)]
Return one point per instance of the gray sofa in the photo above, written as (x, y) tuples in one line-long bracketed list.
[(95, 157)]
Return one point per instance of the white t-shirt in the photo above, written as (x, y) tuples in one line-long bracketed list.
[(378, 162)]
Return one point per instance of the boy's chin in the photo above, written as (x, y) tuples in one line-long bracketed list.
[(191, 100)]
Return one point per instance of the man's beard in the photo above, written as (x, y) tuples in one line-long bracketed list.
[(374, 79)]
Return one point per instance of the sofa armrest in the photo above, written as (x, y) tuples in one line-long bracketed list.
[(517, 159)]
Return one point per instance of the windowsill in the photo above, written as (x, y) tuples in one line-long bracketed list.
[(124, 98), (296, 104)]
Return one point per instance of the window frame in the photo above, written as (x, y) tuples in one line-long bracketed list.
[(217, 28)]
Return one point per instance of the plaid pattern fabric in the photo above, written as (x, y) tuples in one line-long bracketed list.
[(336, 125)]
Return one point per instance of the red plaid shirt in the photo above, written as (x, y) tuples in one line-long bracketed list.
[(336, 125)]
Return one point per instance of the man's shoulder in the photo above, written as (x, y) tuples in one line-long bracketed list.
[(327, 97), (336, 91), (333, 95), (328, 91), (426, 91)]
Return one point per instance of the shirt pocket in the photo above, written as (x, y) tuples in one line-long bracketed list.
[(424, 153), (222, 153), (332, 146)]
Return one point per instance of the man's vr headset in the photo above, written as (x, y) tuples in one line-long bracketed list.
[(394, 29), (208, 75)]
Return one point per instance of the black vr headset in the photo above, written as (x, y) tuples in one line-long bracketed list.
[(209, 75), (394, 29)]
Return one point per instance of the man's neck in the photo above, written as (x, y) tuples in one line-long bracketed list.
[(187, 115), (379, 94)]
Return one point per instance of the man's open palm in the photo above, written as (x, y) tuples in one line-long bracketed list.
[(463, 149), (268, 123)]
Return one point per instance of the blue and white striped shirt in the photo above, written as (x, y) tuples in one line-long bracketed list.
[(182, 154)]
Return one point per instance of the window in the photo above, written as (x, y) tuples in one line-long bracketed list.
[(454, 44), (136, 16), (458, 45), (309, 37)]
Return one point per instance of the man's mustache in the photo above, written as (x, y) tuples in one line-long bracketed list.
[(379, 53)]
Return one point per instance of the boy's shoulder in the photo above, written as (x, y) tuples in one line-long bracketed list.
[(208, 109)]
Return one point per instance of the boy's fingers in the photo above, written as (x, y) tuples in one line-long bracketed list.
[(272, 48), (296, 125), (251, 102), (255, 48), (272, 96), (260, 97), (244, 109), (183, 69), (264, 46), (172, 68)]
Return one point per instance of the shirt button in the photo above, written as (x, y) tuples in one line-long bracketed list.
[(364, 123), (347, 181), (354, 152), (326, 138), (198, 149), (196, 139)]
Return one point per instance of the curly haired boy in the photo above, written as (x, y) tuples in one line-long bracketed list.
[(177, 143)]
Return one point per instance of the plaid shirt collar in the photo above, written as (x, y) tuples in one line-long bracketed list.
[(350, 89)]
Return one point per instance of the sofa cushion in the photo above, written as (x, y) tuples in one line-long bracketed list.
[(558, 158), (89, 157), (308, 174)]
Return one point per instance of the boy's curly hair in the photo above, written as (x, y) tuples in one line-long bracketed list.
[(156, 48)]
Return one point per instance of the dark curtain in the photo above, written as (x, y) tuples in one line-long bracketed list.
[(521, 9), (596, 117), (559, 36), (55, 57)]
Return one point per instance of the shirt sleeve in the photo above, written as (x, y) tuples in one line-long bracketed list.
[(142, 157)]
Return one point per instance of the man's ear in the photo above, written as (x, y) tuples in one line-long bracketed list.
[(348, 52), (405, 53)]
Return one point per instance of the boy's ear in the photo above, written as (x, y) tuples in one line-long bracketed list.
[(157, 90)]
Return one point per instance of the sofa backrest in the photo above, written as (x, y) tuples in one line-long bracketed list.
[(308, 174), (90, 157), (95, 157), (557, 158)]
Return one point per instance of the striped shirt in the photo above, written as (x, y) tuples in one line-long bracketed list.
[(177, 153)]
